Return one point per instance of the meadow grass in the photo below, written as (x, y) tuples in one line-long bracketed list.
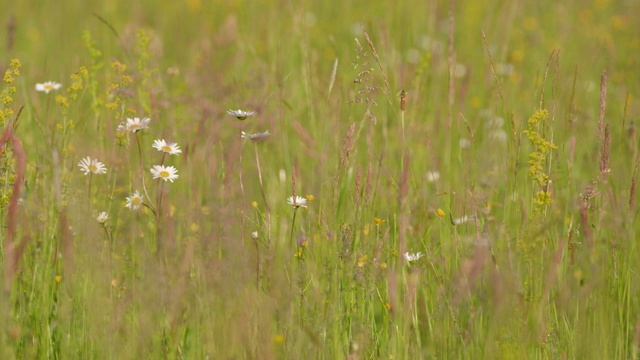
[(438, 180)]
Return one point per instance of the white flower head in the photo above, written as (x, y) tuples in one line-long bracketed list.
[(498, 136), (494, 123), (241, 114), (166, 173), (134, 201), (136, 124), (413, 257), (255, 137), (48, 86), (169, 148), (102, 217), (433, 176), (297, 201), (504, 69), (463, 219), (89, 165), (254, 235), (465, 143)]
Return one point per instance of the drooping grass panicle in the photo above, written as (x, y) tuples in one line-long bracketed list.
[(366, 89), (387, 90)]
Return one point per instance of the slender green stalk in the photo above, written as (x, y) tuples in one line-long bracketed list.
[(264, 197), (144, 185)]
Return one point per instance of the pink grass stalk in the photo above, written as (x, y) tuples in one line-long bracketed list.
[(632, 191), (603, 101), (604, 156), (13, 251)]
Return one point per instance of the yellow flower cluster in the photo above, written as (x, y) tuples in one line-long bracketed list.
[(538, 158), (77, 82), (7, 162), (6, 96), (117, 89)]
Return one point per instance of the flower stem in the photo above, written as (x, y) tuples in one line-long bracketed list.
[(244, 199), (109, 241), (264, 197), (159, 220), (144, 186), (293, 223), (89, 189)]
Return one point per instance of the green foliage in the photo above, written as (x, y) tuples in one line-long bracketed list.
[(515, 251)]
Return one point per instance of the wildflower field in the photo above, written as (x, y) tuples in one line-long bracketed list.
[(319, 180)]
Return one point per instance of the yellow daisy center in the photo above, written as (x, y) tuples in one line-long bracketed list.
[(92, 168), (166, 148), (48, 87), (134, 126), (136, 201), (164, 174)]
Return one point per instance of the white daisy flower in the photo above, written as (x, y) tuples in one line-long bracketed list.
[(48, 86), (166, 173), (137, 124), (255, 137), (413, 257), (134, 201), (297, 201), (89, 165), (241, 114), (169, 148), (254, 235), (102, 217)]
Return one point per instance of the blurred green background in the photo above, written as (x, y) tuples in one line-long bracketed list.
[(189, 281)]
